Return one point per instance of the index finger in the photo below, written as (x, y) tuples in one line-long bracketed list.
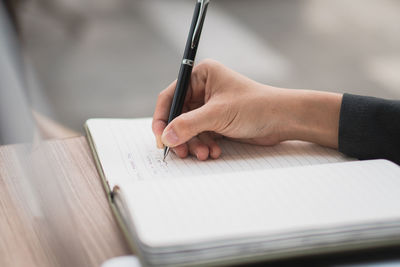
[(161, 112)]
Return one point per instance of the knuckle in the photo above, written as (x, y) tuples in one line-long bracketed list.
[(205, 68), (161, 94), (183, 125), (209, 63)]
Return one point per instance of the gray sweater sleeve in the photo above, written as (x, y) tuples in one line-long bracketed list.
[(369, 128)]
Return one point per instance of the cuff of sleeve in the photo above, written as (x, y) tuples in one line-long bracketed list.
[(356, 136)]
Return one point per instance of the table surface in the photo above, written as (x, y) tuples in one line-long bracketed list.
[(55, 220)]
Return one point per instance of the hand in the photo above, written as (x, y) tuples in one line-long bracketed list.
[(221, 102)]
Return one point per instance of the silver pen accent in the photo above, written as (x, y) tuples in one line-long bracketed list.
[(200, 19), (188, 62)]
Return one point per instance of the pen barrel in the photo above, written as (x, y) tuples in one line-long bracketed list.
[(180, 91), (189, 56)]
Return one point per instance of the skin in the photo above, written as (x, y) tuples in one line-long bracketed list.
[(223, 103)]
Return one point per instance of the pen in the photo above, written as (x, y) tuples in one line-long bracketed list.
[(189, 55)]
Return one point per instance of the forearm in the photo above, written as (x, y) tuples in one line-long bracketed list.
[(312, 116), (358, 126)]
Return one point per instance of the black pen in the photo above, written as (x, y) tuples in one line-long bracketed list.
[(189, 55)]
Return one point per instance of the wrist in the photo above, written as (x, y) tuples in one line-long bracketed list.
[(311, 116)]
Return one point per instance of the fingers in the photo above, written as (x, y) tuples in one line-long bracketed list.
[(213, 147), (161, 112), (181, 151), (202, 147), (188, 125), (158, 128), (198, 149)]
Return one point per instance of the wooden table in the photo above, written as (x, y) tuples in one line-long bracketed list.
[(53, 209)]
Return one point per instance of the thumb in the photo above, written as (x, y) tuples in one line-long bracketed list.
[(187, 125)]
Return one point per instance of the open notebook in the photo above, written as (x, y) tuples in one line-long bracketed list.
[(254, 203)]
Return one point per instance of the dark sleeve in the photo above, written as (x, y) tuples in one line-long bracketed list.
[(369, 128)]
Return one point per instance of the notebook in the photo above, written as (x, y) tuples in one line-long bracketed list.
[(254, 203)]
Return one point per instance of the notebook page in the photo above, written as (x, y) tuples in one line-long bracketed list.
[(127, 151), (180, 212)]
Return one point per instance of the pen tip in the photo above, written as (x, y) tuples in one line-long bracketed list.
[(166, 150)]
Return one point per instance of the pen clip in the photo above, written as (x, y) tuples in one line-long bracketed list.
[(200, 20)]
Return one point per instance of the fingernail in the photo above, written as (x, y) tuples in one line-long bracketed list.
[(169, 138), (160, 144)]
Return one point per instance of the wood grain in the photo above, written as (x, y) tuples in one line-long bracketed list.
[(53, 209)]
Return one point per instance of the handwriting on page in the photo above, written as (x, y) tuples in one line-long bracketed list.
[(136, 144), (156, 163)]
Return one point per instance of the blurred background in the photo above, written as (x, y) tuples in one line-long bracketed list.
[(101, 58)]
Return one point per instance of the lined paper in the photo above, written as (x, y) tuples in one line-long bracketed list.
[(127, 151), (284, 202)]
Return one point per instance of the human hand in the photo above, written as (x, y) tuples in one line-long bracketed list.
[(221, 102)]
